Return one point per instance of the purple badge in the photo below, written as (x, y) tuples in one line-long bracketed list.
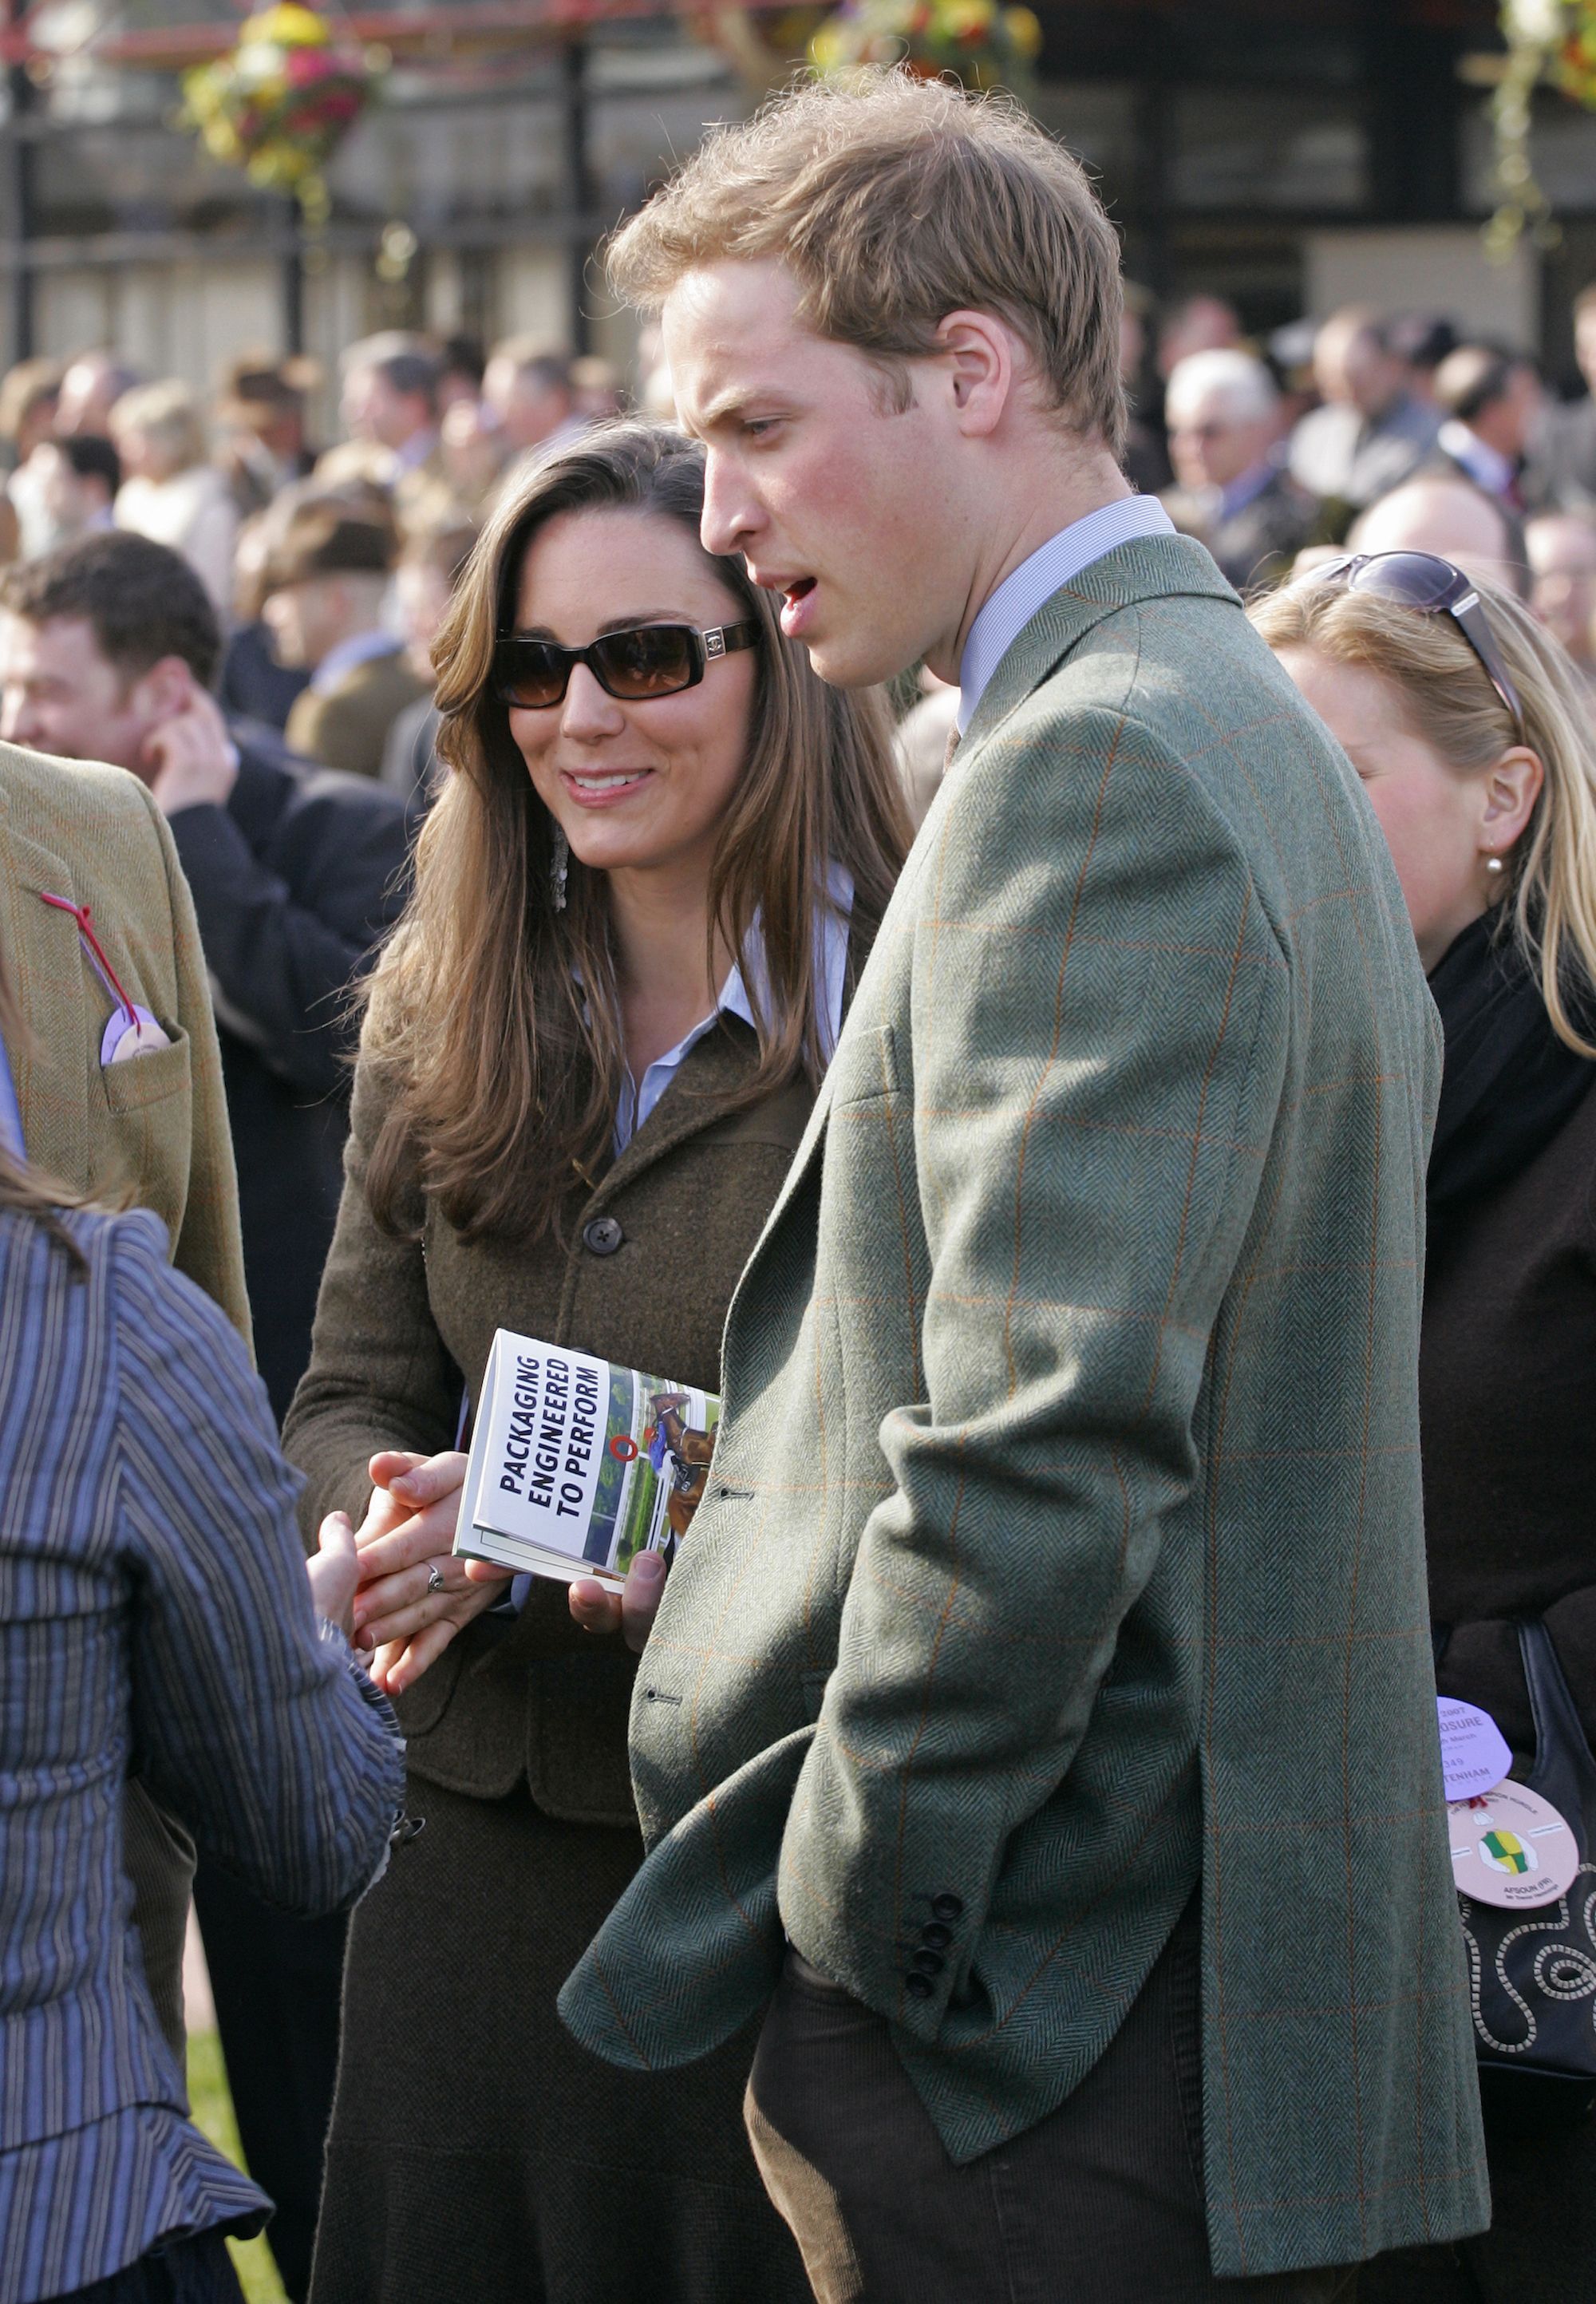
[(1473, 1752)]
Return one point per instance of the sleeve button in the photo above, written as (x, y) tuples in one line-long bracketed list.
[(936, 1935), (918, 1987), (602, 1235), (929, 1963), (947, 1906)]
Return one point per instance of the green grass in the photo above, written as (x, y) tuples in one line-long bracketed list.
[(213, 2114)]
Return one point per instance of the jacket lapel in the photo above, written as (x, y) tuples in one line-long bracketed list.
[(41, 956)]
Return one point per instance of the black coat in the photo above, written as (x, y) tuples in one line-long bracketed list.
[(294, 881)]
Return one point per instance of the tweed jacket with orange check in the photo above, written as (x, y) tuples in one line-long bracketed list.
[(1063, 1545)]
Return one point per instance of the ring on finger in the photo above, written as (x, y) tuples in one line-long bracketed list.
[(435, 1577)]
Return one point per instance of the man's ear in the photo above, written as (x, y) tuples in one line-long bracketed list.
[(163, 691), (976, 356)]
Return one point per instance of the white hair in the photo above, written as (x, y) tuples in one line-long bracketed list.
[(1237, 379)]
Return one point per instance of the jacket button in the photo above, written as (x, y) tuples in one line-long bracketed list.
[(947, 1906), (936, 1935), (929, 1963), (918, 1987), (603, 1235)]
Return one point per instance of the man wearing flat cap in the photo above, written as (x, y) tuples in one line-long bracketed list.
[(324, 586)]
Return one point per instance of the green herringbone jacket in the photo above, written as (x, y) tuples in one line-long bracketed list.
[(1064, 1545)]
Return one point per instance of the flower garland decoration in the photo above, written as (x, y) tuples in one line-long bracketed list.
[(983, 43), (279, 104), (1549, 43)]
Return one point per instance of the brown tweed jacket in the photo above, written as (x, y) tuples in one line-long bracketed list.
[(403, 1325), (348, 728), (154, 1130)]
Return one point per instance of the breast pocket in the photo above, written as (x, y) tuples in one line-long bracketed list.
[(143, 1081), (144, 1146)]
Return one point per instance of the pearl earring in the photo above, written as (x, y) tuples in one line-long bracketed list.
[(1493, 864)]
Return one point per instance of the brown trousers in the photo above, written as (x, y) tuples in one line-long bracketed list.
[(1101, 2202)]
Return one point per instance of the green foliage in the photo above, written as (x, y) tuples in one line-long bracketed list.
[(212, 2107)]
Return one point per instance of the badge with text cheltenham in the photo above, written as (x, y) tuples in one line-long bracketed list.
[(1511, 1847), (1474, 1751)]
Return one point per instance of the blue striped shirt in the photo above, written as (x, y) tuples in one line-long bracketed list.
[(154, 1614)]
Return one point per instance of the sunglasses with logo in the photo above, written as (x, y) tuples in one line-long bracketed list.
[(1434, 586), (650, 660)]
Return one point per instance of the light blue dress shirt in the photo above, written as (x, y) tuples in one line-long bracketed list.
[(1035, 581)]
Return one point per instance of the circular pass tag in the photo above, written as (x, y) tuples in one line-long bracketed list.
[(1474, 1751), (1511, 1847), (122, 1040)]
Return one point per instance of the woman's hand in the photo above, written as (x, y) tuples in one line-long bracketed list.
[(630, 1612), (334, 1571), (405, 1542)]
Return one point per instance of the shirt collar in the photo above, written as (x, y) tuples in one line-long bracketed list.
[(1481, 461), (348, 656), (1028, 588), (834, 919)]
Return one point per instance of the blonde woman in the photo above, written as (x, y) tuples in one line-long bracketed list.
[(1471, 732), (641, 903), (170, 492)]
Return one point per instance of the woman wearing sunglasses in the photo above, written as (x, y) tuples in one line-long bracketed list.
[(1471, 732), (640, 906)]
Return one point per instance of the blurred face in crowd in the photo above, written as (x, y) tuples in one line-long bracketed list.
[(1202, 323), (374, 411), (1353, 369), (473, 449), (1441, 824), (424, 593), (1211, 443), (1450, 518), (59, 693), (835, 497), (145, 455), (1562, 553), (71, 501), (89, 390), (528, 406), (307, 620), (638, 788), (1505, 422)]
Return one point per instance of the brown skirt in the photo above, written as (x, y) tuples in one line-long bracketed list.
[(476, 2151)]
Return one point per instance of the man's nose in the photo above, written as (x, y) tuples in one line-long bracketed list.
[(731, 511)]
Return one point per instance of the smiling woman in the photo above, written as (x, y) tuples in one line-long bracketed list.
[(640, 907)]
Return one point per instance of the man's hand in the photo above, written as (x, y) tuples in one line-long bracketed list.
[(630, 1612), (193, 760)]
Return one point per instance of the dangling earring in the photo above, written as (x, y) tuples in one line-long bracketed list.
[(559, 865), (1493, 864)]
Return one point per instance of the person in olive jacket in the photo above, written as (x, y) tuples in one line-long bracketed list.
[(1475, 743), (640, 907)]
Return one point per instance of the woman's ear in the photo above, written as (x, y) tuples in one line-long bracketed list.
[(1511, 789)]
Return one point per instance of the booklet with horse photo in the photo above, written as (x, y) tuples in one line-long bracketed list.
[(578, 1465)]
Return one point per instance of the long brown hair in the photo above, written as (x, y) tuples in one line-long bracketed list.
[(495, 1015)]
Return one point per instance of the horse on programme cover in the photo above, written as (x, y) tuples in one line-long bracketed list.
[(689, 1450)]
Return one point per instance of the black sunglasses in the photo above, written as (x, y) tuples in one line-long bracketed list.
[(650, 660), (1426, 581)]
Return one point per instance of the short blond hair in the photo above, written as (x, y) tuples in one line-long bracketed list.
[(1443, 695), (893, 201)]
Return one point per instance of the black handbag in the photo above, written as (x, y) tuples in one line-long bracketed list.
[(1533, 1974)]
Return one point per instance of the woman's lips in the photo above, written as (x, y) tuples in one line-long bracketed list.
[(602, 788)]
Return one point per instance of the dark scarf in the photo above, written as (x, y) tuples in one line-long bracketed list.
[(1507, 1083)]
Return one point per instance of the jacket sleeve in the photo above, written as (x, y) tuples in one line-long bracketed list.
[(285, 937), (208, 1247), (380, 1375), (1100, 1037), (252, 1722)]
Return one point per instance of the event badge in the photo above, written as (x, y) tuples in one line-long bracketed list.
[(1474, 1757), (131, 1030), (1511, 1847)]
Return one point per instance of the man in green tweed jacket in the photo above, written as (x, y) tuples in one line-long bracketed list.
[(1041, 1709)]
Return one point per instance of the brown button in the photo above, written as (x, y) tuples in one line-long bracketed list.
[(603, 1235), (918, 1987)]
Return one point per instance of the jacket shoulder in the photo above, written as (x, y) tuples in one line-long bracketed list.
[(70, 803)]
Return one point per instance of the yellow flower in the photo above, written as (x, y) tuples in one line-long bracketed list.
[(1024, 30), (965, 20), (288, 25)]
